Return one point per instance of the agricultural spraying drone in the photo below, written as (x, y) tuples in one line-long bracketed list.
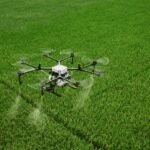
[(58, 74)]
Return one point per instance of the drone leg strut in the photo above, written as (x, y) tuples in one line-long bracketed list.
[(42, 91), (19, 78)]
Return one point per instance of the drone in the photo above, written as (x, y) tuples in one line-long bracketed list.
[(59, 75)]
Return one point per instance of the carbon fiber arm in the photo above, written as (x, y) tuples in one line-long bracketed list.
[(82, 69), (34, 68)]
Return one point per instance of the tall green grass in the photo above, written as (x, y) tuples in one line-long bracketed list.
[(114, 112)]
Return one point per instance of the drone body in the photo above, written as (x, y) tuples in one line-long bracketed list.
[(58, 74), (62, 71)]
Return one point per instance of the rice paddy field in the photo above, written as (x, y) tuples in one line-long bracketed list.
[(108, 112)]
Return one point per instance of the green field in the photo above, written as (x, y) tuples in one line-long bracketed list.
[(113, 113)]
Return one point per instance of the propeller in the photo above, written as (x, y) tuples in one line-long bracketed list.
[(66, 52), (24, 58), (47, 52), (100, 61), (23, 70), (20, 62), (99, 70), (103, 60)]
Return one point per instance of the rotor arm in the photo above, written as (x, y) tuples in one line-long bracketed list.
[(82, 69), (71, 56), (65, 58), (24, 63), (45, 68), (87, 71), (94, 63), (34, 68), (47, 56), (37, 67)]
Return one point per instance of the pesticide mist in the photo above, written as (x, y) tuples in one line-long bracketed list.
[(12, 112), (84, 93), (37, 117)]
